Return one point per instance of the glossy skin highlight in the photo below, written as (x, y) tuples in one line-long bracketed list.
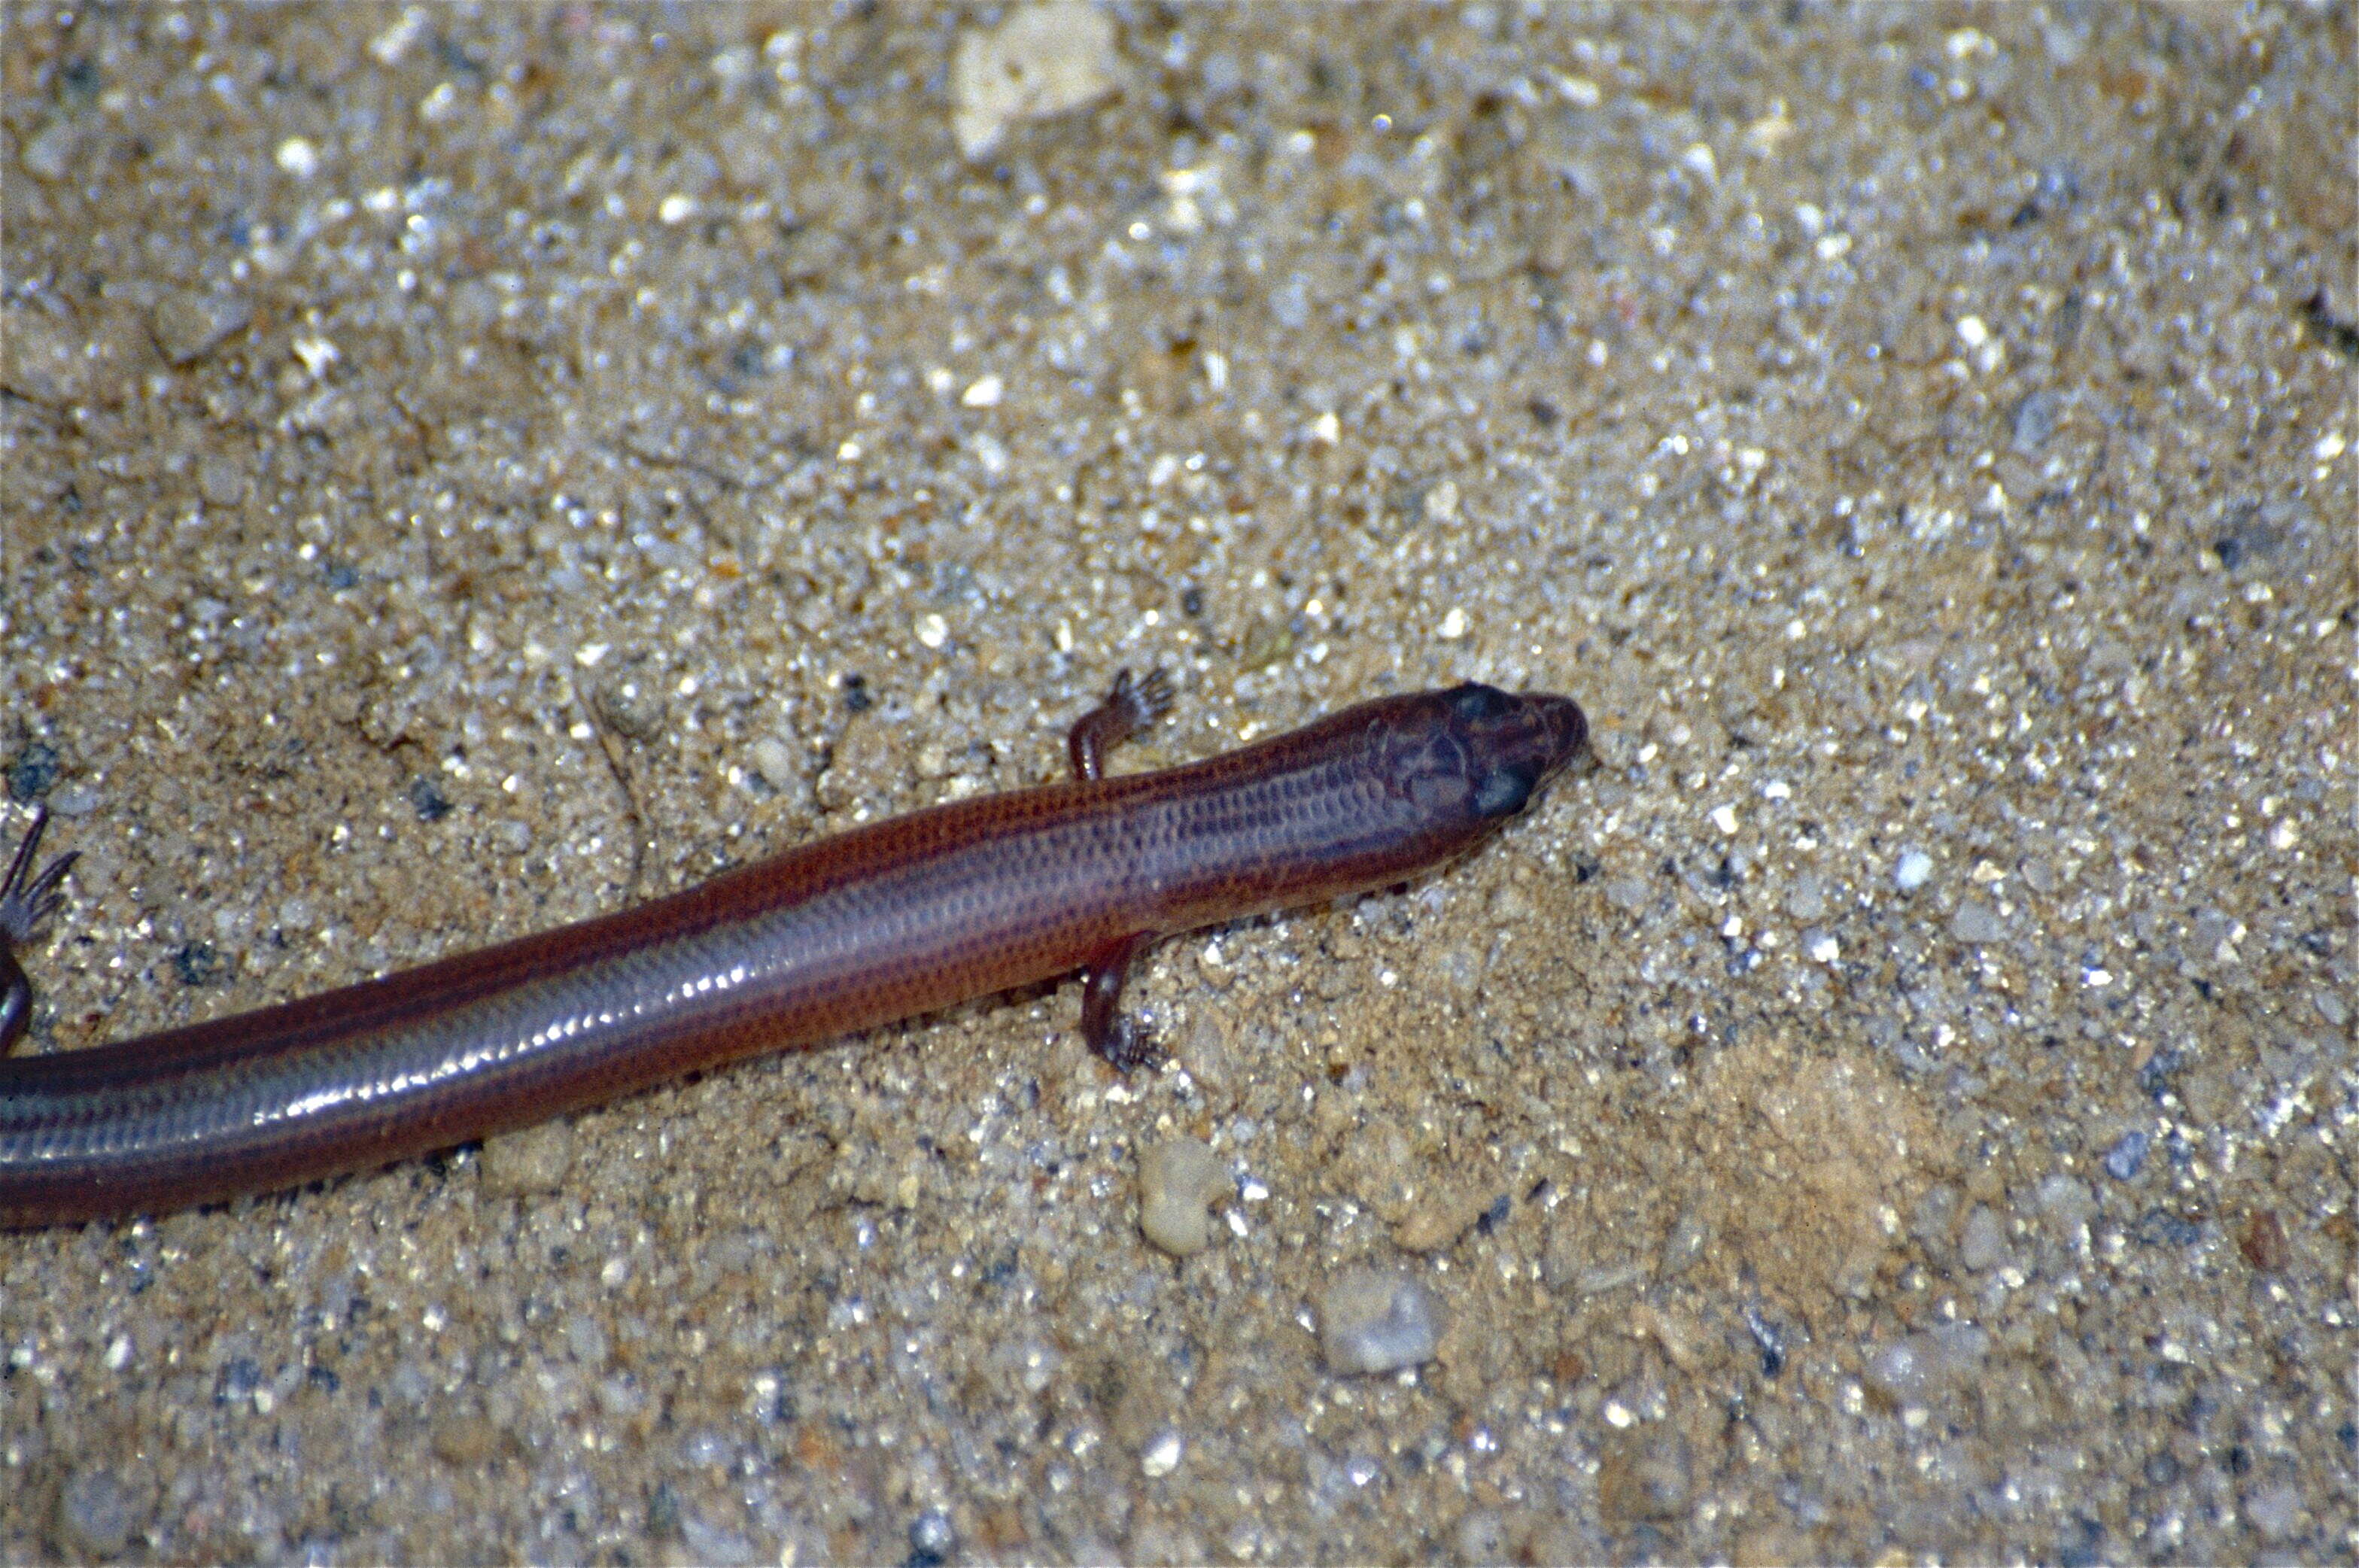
[(898, 919)]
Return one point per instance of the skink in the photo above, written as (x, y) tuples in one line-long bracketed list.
[(898, 919)]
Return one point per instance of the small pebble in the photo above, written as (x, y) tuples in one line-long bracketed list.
[(297, 156), (1806, 900), (1203, 1051), (1439, 1220), (2263, 1242), (48, 157), (94, 1515), (1976, 923), (1912, 1369), (534, 1159), (1641, 1479), (466, 1441), (47, 362), (784, 766), (1212, 962), (1163, 1453), (2275, 1511), (1982, 1244), (1690, 1235), (220, 481), (663, 1512), (716, 1544), (1040, 62), (1481, 1536), (586, 1338), (2067, 1199), (1565, 1253), (2034, 421), (1934, 1222), (1439, 503), (868, 758), (2161, 1227), (2128, 1157), (933, 1535), (1178, 1182), (33, 772), (774, 758), (1914, 868), (187, 324), (630, 705), (1376, 1320)]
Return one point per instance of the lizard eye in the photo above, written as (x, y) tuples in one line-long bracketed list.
[(1504, 790), (1474, 702)]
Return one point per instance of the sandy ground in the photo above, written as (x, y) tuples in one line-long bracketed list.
[(469, 468)]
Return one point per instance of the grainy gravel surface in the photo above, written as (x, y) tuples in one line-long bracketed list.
[(467, 468)]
